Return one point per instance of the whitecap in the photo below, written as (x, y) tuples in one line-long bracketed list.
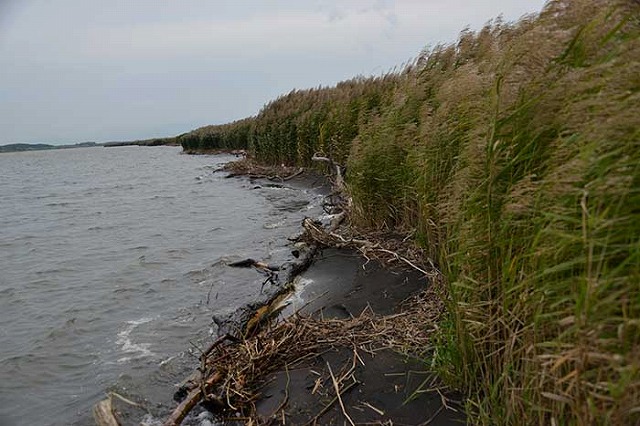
[(165, 361), (127, 345), (274, 225)]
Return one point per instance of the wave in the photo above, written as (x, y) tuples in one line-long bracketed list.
[(128, 346)]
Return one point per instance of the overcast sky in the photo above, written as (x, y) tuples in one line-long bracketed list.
[(96, 70)]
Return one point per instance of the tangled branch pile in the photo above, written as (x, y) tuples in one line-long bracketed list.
[(373, 247), (251, 168), (233, 374)]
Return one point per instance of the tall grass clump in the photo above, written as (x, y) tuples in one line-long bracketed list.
[(513, 157)]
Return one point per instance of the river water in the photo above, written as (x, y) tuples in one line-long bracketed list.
[(112, 262)]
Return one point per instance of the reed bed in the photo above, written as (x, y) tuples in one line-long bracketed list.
[(512, 157)]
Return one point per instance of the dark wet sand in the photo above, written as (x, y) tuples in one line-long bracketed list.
[(389, 384)]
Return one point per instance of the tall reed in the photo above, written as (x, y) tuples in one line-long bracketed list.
[(514, 156)]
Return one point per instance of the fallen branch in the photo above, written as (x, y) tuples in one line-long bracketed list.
[(103, 413), (181, 411), (285, 400), (298, 173), (338, 168)]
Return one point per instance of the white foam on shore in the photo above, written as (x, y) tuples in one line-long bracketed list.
[(295, 300), (128, 346), (274, 225), (166, 361)]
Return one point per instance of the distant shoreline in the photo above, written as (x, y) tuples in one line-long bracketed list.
[(23, 147)]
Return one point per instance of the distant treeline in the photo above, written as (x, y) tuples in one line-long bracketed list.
[(144, 142), (19, 147), (513, 158)]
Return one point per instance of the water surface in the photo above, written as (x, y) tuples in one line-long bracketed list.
[(112, 261)]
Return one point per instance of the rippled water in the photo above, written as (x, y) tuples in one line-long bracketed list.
[(112, 261)]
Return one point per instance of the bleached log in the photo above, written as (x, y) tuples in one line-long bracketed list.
[(103, 413), (339, 183)]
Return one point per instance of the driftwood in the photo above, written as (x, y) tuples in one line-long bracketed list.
[(242, 365), (103, 413), (236, 372), (253, 170), (268, 270), (192, 400), (250, 262), (197, 388), (298, 339), (271, 177), (339, 179)]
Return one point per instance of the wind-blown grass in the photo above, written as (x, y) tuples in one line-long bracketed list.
[(514, 156)]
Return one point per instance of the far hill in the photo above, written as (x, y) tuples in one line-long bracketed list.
[(16, 147), (21, 147)]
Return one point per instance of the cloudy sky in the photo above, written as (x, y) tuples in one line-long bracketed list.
[(95, 70)]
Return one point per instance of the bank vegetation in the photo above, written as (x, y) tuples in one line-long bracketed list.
[(513, 159)]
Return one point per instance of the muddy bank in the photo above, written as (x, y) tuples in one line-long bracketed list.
[(350, 324), (341, 284), (380, 385), (332, 337), (374, 372)]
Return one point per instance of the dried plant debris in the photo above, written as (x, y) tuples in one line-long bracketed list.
[(252, 169), (232, 373), (233, 377)]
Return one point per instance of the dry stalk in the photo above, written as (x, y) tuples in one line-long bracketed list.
[(336, 387), (242, 368), (372, 246)]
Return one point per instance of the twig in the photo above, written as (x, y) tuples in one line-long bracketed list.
[(329, 405), (407, 261), (432, 418), (286, 395), (337, 388), (209, 293), (377, 410), (444, 400)]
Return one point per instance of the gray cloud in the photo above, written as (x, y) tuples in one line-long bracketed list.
[(75, 70)]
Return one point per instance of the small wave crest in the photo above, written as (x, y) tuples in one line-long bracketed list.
[(274, 225), (128, 346)]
